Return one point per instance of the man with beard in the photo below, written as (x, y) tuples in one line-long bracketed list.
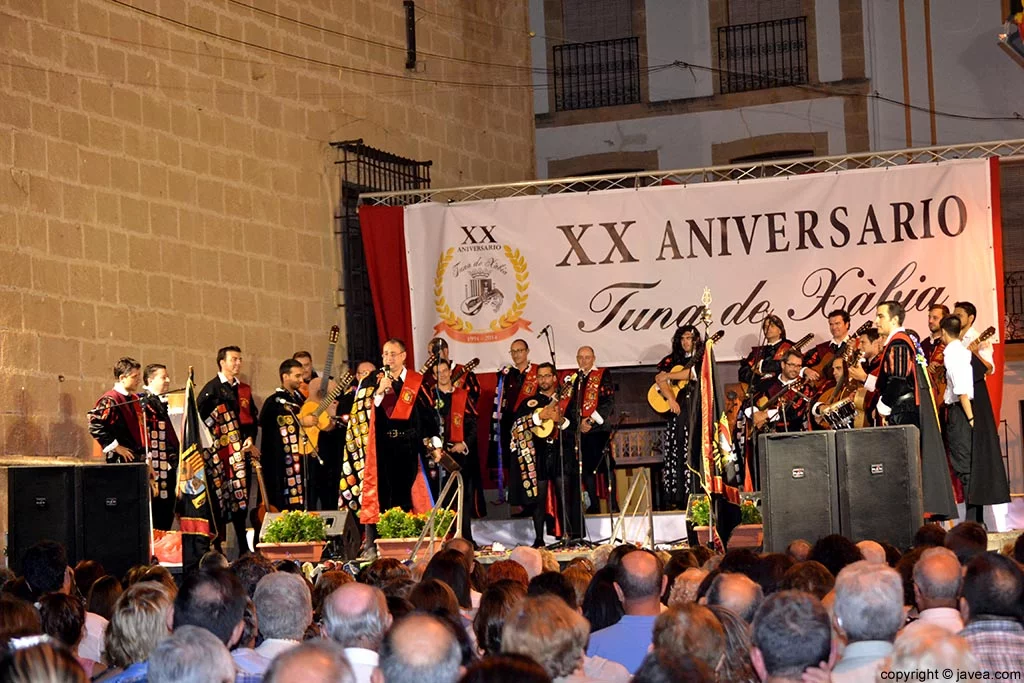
[(163, 446), (283, 441), (903, 398)]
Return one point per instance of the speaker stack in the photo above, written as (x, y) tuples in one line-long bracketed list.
[(861, 483), (98, 512)]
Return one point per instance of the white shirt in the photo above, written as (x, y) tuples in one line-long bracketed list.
[(984, 349), (91, 646), (363, 662), (224, 380), (377, 398), (959, 373), (861, 661), (946, 618)]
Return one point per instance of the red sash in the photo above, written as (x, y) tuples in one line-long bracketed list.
[(402, 409), (529, 387), (244, 404), (457, 415), (591, 391)]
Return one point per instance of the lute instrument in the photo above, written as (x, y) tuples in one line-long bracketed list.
[(658, 400)]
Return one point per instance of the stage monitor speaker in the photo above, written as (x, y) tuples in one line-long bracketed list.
[(40, 506), (798, 487), (115, 523), (343, 534), (879, 473)]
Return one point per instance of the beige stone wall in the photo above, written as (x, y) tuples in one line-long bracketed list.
[(166, 190)]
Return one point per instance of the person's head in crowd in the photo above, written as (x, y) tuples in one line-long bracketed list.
[(702, 554), (468, 652), (809, 577), (835, 552), (435, 597), (327, 583), (937, 579), (213, 599), (679, 561), (212, 558), (465, 549), (418, 649), (552, 583), (529, 558), (18, 618), (868, 602), (790, 633), (691, 629), (618, 552), (736, 664), (993, 589), (251, 626), (507, 569), (356, 615), (737, 593), (905, 568), (742, 561), (599, 556), (141, 619), (496, 603), (311, 662), (45, 568), (63, 617), (1018, 549), (160, 574), (669, 667), (601, 604), (892, 553), (705, 585), (102, 595), (929, 535), (548, 561), (87, 572), (134, 574), (799, 550), (40, 659), (582, 563), (283, 606), (579, 579), (449, 566), (250, 568), (639, 582), (399, 607), (400, 587), (288, 566), (18, 587), (382, 570), (872, 551), (928, 648), (506, 668), (550, 631), (967, 540), (191, 655), (6, 574), (684, 588), (770, 570)]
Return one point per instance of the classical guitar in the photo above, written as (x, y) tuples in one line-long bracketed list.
[(257, 514), (657, 400), (318, 409), (461, 373), (982, 338), (824, 366), (317, 387), (546, 427), (745, 388), (769, 402)]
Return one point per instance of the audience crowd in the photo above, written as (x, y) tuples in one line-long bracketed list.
[(831, 610)]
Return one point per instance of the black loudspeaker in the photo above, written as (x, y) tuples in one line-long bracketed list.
[(97, 512), (344, 539), (798, 487), (40, 505), (115, 516), (879, 472)]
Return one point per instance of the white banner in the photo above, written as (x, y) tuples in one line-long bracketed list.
[(619, 270)]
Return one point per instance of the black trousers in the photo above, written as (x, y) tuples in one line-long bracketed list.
[(163, 509), (397, 467), (960, 445)]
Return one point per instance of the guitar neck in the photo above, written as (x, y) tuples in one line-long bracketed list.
[(259, 480), (328, 364), (333, 394)]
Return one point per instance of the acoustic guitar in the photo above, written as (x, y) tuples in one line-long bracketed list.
[(657, 400), (982, 338), (257, 514), (461, 373), (318, 386), (318, 409), (824, 366), (546, 427), (795, 347)]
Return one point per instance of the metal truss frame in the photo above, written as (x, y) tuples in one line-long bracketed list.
[(732, 173)]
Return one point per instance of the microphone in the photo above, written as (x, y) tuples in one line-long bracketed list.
[(544, 331), (282, 401)]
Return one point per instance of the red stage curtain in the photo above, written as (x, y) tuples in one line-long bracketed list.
[(383, 229)]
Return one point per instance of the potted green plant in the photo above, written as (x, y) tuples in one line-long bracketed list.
[(698, 512), (294, 535), (750, 532), (398, 531)]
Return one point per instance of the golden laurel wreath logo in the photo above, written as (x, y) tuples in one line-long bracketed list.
[(509, 319)]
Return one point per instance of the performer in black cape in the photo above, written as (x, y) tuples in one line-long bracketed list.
[(684, 412), (116, 421), (282, 441), (163, 446)]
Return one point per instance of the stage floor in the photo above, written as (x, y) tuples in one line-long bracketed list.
[(669, 528)]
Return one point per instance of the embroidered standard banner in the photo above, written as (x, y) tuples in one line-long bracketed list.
[(619, 270)]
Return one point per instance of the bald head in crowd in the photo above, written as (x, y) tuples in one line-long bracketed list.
[(640, 582), (799, 550), (356, 615), (311, 662), (872, 552), (419, 649), (736, 593), (937, 579)]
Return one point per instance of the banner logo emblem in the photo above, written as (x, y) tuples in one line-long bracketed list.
[(482, 283)]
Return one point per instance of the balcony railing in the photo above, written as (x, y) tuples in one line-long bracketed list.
[(603, 73), (767, 54), (1013, 300)]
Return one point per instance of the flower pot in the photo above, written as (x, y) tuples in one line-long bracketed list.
[(299, 552), (747, 536), (400, 548)]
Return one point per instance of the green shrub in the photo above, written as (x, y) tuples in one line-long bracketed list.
[(397, 523), (295, 527)]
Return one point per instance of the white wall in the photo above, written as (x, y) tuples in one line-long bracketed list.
[(684, 140), (678, 31), (830, 46), (538, 58)]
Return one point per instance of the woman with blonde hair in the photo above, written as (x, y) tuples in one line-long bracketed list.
[(547, 630), (139, 622)]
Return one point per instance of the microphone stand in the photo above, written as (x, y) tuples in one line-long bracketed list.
[(606, 460), (561, 456)]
